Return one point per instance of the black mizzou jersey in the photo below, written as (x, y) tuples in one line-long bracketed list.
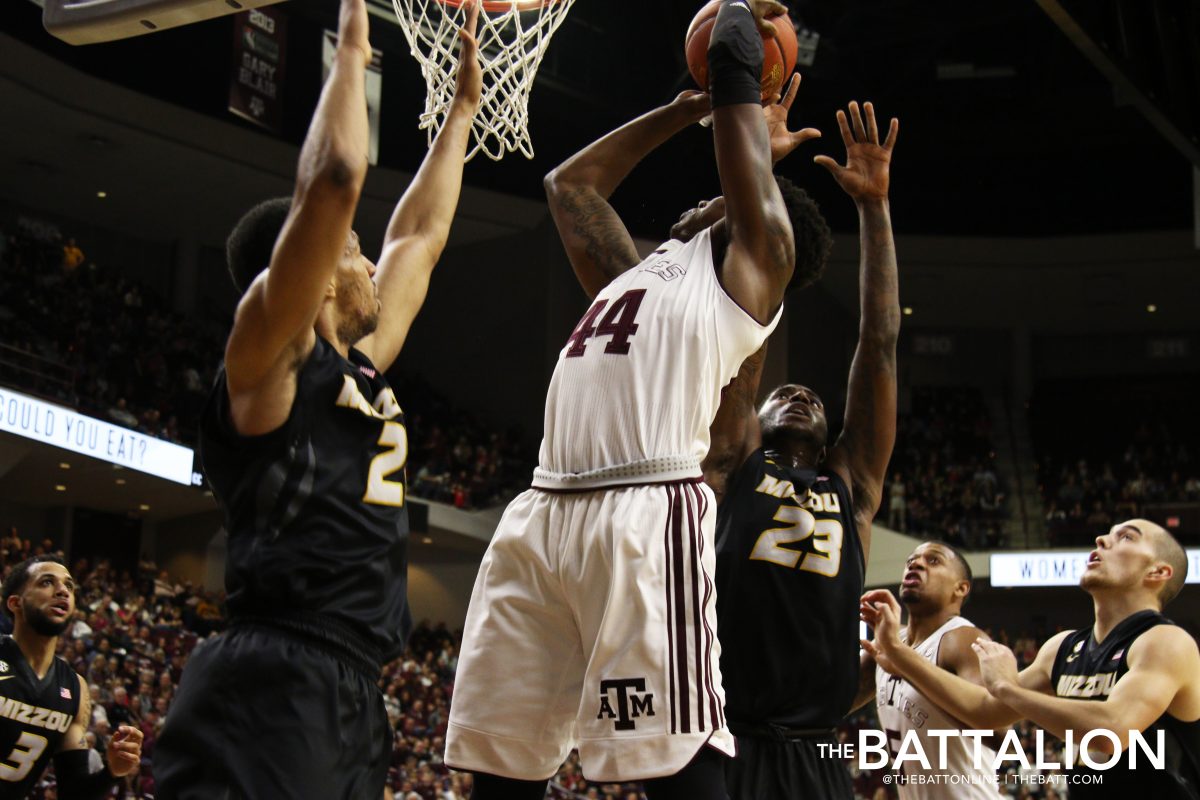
[(790, 573), (316, 508), (1087, 670), (34, 717)]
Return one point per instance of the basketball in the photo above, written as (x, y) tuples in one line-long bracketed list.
[(779, 51)]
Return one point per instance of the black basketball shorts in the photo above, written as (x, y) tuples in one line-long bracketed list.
[(777, 768), (262, 714)]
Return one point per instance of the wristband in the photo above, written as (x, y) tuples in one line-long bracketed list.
[(74, 780), (735, 56)]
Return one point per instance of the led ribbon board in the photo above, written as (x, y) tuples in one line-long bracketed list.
[(1056, 567), (55, 425)]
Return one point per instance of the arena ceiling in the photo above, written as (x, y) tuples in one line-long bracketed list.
[(1008, 131)]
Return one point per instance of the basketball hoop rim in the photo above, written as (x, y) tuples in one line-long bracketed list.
[(500, 6)]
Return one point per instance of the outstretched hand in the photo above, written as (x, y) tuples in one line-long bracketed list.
[(468, 86), (775, 112), (354, 27), (866, 173)]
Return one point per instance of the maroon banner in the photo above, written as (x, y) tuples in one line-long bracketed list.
[(259, 58)]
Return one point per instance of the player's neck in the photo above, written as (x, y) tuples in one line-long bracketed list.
[(1114, 608), (327, 329), (922, 626), (37, 649), (795, 456)]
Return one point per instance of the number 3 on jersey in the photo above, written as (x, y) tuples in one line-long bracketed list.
[(25, 754), (827, 541), (617, 323)]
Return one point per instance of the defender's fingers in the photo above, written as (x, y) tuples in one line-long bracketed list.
[(793, 86), (472, 23), (860, 132), (893, 132), (834, 168), (872, 128), (844, 127)]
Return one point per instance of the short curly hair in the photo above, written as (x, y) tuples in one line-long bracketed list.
[(248, 248), (813, 238)]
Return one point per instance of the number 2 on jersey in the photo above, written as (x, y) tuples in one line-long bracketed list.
[(617, 323), (380, 490), (827, 541)]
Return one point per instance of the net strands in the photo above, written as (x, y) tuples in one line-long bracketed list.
[(512, 36)]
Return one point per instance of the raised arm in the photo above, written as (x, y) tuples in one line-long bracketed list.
[(597, 242), (735, 432), (420, 225), (273, 328), (862, 452), (761, 253), (1163, 664)]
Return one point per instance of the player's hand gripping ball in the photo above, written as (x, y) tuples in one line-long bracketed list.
[(779, 51)]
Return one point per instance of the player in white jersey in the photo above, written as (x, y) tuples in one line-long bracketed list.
[(937, 580), (592, 622)]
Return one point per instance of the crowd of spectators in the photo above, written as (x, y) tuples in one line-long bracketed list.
[(454, 457), (135, 629), (131, 636), (942, 482), (1115, 458), (93, 339)]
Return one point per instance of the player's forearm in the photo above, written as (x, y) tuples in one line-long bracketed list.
[(606, 162), (966, 701), (1058, 715), (869, 431), (878, 279), (335, 149), (428, 205)]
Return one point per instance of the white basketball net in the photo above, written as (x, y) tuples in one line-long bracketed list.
[(513, 37)]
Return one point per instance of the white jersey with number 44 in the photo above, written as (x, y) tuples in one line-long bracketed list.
[(638, 383)]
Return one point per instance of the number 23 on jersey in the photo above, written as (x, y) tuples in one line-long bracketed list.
[(800, 524)]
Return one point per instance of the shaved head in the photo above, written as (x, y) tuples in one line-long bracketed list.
[(1167, 550)]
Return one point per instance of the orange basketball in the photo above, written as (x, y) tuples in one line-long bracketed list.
[(779, 52)]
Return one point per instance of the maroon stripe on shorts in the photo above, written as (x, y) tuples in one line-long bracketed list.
[(697, 617), (669, 606), (718, 712), (681, 634)]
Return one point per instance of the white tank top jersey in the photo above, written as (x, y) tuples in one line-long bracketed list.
[(902, 709), (638, 384)]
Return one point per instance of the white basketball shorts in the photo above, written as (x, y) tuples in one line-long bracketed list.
[(593, 625)]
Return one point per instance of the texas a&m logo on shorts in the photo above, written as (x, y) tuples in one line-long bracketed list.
[(632, 700)]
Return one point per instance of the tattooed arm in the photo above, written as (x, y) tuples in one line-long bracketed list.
[(74, 740), (597, 242), (735, 432), (861, 454)]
